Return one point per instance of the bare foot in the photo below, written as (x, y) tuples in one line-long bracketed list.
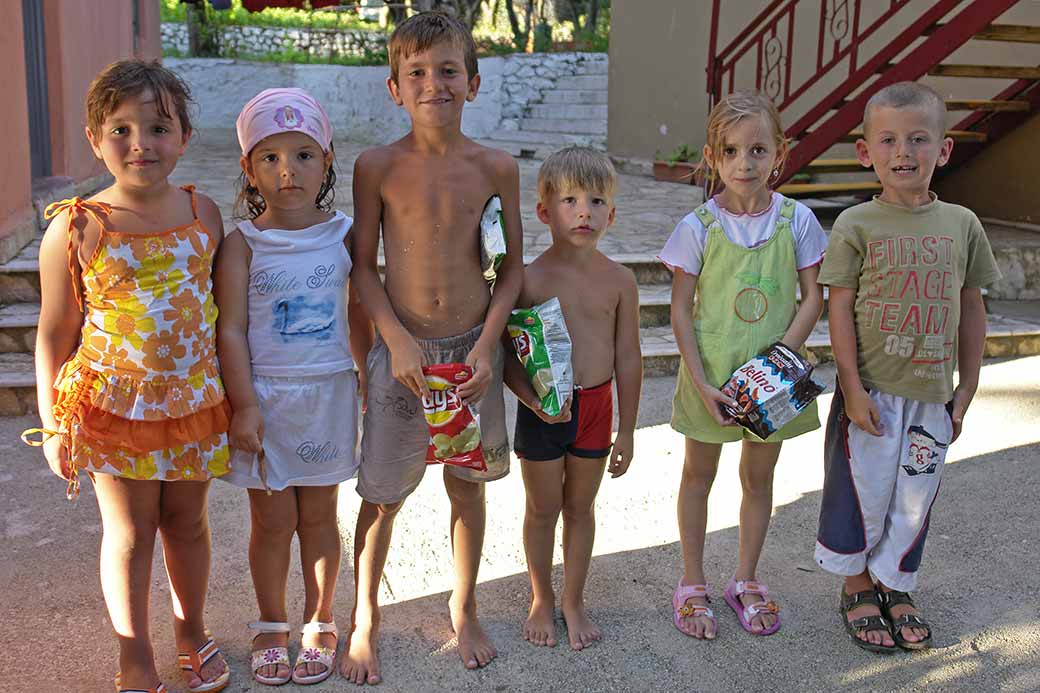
[(475, 648), (360, 661), (210, 671), (581, 631), (539, 628), (132, 677), (762, 620), (315, 640), (265, 641)]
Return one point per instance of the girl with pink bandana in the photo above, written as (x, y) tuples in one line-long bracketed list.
[(286, 353)]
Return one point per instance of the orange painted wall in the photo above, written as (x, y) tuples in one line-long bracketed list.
[(15, 168), (82, 37)]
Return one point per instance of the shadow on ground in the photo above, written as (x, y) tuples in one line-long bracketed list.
[(978, 590)]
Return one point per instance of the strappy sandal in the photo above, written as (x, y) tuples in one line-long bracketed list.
[(154, 689), (194, 661), (322, 655), (864, 624), (270, 655), (895, 598), (732, 593), (681, 609)]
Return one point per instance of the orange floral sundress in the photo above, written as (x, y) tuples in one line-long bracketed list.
[(142, 397)]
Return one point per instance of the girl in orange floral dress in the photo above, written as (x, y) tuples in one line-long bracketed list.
[(126, 365)]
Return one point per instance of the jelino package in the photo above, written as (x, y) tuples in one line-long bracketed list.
[(454, 428), (492, 238), (544, 347), (771, 389)]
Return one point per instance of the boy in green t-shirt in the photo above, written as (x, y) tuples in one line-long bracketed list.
[(905, 272)]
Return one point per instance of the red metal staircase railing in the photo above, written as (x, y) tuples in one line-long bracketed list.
[(773, 43)]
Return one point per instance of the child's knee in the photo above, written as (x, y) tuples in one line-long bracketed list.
[(279, 525), (756, 483), (463, 493), (578, 509), (544, 507), (184, 526), (313, 520), (696, 481)]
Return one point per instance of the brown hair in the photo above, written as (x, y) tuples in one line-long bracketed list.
[(249, 203), (420, 32), (729, 111), (576, 168), (126, 78), (908, 95)]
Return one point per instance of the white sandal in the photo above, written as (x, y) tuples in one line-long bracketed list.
[(271, 655), (321, 655)]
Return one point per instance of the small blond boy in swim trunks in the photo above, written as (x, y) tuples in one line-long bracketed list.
[(563, 457)]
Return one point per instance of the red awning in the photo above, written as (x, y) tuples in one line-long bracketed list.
[(258, 5)]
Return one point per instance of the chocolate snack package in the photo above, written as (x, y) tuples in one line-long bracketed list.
[(771, 389), (454, 427), (543, 345), (492, 238)]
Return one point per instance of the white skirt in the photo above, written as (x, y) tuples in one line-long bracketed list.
[(310, 432)]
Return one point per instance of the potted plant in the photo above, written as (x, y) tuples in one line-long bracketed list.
[(678, 166)]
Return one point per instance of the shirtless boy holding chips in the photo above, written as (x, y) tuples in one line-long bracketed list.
[(427, 191)]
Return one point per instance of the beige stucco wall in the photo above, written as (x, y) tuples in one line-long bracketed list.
[(659, 52), (1003, 181)]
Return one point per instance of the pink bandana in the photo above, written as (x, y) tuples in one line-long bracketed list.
[(282, 110)]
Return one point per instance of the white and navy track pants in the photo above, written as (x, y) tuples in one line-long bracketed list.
[(878, 492)]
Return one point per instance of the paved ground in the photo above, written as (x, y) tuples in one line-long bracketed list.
[(979, 586)]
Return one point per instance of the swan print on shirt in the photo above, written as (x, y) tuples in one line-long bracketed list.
[(305, 311)]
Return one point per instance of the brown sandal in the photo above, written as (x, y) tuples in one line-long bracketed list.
[(864, 624), (894, 598)]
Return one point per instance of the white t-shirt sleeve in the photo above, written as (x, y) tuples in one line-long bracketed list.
[(810, 242), (684, 249)]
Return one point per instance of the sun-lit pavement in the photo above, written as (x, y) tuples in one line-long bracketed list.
[(978, 587)]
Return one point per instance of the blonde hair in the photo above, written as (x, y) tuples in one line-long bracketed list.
[(908, 95), (576, 168), (729, 111), (422, 31)]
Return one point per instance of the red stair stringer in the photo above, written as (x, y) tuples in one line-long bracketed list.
[(939, 45)]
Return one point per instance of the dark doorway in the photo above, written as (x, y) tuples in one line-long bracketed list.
[(36, 85)]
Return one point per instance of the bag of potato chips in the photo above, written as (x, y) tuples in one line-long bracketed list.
[(544, 347), (454, 428), (492, 238)]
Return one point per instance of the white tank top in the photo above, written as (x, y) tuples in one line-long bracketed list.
[(298, 299)]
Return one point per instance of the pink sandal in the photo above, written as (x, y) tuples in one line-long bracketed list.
[(681, 609), (732, 593)]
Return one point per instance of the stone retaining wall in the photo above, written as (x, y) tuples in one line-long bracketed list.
[(356, 96), (261, 40)]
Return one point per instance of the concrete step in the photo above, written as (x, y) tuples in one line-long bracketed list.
[(577, 126), (18, 327), (597, 112), (587, 82), (560, 139), (574, 96), (17, 385), (592, 67), (1013, 330)]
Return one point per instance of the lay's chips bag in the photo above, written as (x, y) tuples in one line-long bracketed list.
[(492, 238), (454, 429), (544, 347)]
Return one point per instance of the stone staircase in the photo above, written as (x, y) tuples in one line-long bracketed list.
[(572, 111)]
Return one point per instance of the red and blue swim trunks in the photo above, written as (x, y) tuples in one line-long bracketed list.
[(587, 434)]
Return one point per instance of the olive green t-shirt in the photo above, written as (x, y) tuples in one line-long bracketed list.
[(908, 267)]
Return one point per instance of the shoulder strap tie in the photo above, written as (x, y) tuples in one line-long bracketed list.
[(98, 211)]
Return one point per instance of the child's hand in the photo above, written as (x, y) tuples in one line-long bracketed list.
[(247, 430), (563, 417), (406, 367), (479, 359), (862, 411), (961, 401), (713, 399), (620, 455), (57, 457)]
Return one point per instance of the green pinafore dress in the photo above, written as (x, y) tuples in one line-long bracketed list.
[(745, 301)]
